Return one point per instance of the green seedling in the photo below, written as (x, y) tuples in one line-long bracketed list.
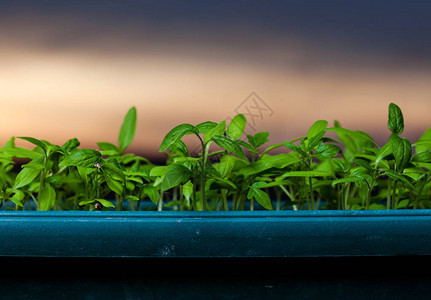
[(233, 171)]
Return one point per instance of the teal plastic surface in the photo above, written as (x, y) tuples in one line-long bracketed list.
[(215, 234)]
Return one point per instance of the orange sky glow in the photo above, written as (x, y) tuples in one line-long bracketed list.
[(84, 92)]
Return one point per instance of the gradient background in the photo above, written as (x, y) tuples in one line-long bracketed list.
[(74, 68)]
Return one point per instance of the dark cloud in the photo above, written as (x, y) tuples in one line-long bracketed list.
[(338, 30)]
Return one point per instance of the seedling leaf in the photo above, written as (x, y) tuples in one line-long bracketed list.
[(47, 197), (260, 196), (176, 134), (258, 139), (105, 203), (394, 175), (70, 145), (82, 158), (236, 127), (395, 119), (325, 151), (306, 174), (152, 192), (36, 142), (402, 151), (25, 176), (176, 175), (127, 131), (217, 130), (317, 128), (229, 145), (226, 165), (205, 126)]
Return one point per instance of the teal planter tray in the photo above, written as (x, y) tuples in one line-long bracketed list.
[(215, 234)]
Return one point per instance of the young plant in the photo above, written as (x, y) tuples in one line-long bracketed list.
[(346, 172)]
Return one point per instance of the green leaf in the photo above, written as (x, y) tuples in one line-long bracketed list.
[(70, 145), (317, 128), (230, 145), (18, 197), (217, 130), (260, 196), (188, 189), (414, 173), (341, 165), (385, 151), (110, 169), (258, 139), (176, 175), (152, 192), (159, 171), (113, 184), (363, 163), (179, 146), (108, 149), (85, 202), (47, 197), (325, 151), (223, 183), (424, 142), (82, 158), (306, 174), (347, 180), (358, 135), (25, 176), (294, 148), (246, 146), (274, 147), (36, 142), (127, 131), (277, 161), (327, 166), (205, 126), (105, 203), (314, 141), (176, 134), (37, 163), (10, 143), (236, 127), (347, 140), (395, 119), (396, 176), (226, 165), (402, 151), (422, 157), (20, 153)]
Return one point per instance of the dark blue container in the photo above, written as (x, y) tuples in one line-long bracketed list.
[(215, 234)]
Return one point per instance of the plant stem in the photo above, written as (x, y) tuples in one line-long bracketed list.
[(370, 187), (310, 184), (181, 198), (289, 194), (278, 201), (224, 199), (416, 205), (234, 201), (394, 195), (42, 180), (203, 176), (195, 206), (160, 204), (307, 195), (388, 195)]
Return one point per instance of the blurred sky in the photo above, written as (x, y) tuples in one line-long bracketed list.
[(74, 68)]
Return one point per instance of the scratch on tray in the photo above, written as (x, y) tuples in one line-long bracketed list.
[(168, 250)]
